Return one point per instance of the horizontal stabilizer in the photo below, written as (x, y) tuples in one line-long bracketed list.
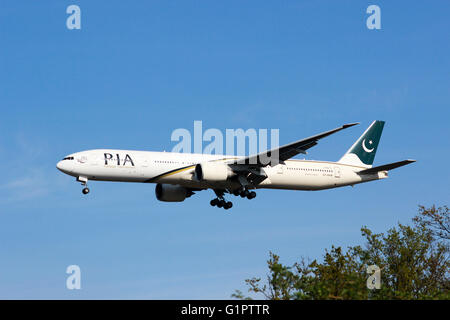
[(386, 167)]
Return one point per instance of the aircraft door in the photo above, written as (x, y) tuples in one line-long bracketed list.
[(144, 165), (280, 168), (94, 159), (337, 172)]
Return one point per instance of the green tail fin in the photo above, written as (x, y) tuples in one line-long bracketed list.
[(362, 152)]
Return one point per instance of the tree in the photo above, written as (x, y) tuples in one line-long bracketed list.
[(279, 282), (414, 263), (437, 220)]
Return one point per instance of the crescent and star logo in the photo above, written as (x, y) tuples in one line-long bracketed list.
[(365, 148)]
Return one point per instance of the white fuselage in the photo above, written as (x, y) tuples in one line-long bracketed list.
[(178, 169)]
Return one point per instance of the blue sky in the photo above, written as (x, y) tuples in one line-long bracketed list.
[(137, 71)]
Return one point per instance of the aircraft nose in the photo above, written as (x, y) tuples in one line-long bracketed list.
[(61, 167), (64, 166)]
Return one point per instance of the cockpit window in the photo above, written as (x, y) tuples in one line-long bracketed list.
[(68, 158)]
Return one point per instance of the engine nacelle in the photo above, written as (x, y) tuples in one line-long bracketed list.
[(212, 171), (171, 193)]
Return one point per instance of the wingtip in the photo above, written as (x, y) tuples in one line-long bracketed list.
[(348, 125)]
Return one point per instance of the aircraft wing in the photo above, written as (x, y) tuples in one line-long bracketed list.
[(280, 154)]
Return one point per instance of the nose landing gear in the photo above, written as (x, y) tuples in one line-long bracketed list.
[(84, 181)]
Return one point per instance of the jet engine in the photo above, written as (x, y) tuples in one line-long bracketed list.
[(212, 171), (171, 193)]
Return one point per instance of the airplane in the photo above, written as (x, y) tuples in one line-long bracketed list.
[(179, 175)]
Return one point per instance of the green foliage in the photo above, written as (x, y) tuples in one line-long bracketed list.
[(339, 276), (414, 263), (437, 220)]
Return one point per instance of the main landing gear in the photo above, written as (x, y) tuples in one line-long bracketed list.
[(220, 201), (244, 192), (84, 181)]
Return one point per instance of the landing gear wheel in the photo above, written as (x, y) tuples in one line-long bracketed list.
[(251, 195), (85, 190), (244, 193), (228, 205), (220, 201)]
